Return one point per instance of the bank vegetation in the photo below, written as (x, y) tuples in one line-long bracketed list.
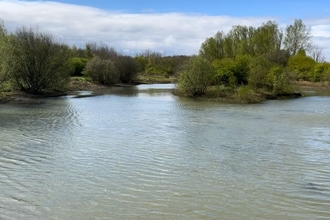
[(247, 64)]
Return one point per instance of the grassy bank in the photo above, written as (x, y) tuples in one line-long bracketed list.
[(303, 85), (214, 93), (147, 78), (242, 95)]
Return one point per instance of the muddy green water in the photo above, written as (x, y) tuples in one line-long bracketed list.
[(143, 153)]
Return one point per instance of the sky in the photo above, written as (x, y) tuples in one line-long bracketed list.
[(166, 26)]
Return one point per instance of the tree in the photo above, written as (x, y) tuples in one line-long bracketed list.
[(302, 65), (317, 54), (240, 40), (279, 57), (195, 77), (37, 63), (267, 38), (297, 37), (259, 69), (3, 42), (127, 68), (102, 71), (77, 65), (232, 71), (213, 48)]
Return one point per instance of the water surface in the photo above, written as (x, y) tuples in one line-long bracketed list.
[(143, 153)]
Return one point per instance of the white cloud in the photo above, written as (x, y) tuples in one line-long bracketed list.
[(170, 33)]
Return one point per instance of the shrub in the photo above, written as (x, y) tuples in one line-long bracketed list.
[(258, 70), (102, 71), (37, 63), (195, 77), (247, 95), (232, 71), (279, 78), (77, 64), (127, 68), (302, 66), (321, 72), (326, 72), (279, 57)]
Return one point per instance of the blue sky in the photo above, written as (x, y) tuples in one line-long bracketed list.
[(277, 8), (166, 26)]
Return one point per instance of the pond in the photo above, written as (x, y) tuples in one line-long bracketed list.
[(142, 153)]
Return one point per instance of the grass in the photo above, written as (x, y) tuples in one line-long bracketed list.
[(147, 78), (325, 85)]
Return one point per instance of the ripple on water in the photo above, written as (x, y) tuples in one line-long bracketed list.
[(161, 157)]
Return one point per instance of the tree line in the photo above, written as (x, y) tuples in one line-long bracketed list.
[(247, 60), (36, 63), (255, 61)]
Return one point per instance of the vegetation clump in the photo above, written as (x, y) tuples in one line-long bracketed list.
[(255, 63), (195, 77), (36, 63)]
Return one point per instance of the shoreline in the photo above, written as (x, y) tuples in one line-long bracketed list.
[(77, 85)]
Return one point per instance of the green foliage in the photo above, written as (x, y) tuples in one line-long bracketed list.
[(153, 63), (239, 41), (224, 72), (302, 66), (78, 52), (142, 62), (243, 40), (232, 71), (259, 68), (125, 67), (278, 57), (267, 38), (195, 77), (77, 64), (37, 63), (247, 95), (102, 71), (279, 80), (321, 72), (213, 48), (88, 50)]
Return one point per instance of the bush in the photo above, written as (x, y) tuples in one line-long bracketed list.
[(279, 57), (279, 78), (102, 71), (195, 77), (248, 95), (127, 68), (321, 72), (302, 66), (37, 63), (232, 71), (325, 77), (77, 64), (259, 69)]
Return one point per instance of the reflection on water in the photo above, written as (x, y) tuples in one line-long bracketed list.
[(143, 153)]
